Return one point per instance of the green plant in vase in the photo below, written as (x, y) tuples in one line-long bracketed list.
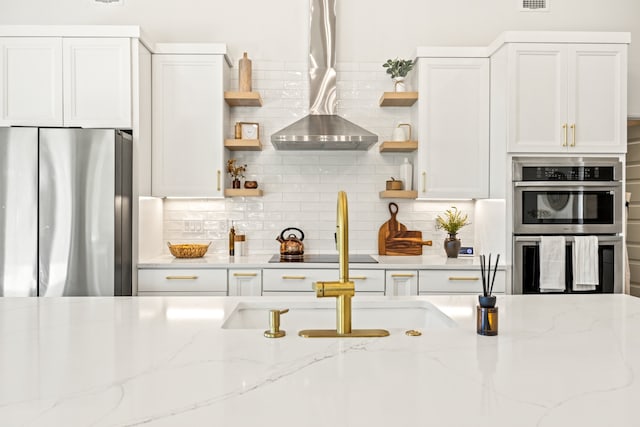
[(398, 69), (452, 221)]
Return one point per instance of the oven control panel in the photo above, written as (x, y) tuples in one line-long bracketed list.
[(568, 173)]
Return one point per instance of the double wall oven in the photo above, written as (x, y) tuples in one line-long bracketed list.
[(569, 197)]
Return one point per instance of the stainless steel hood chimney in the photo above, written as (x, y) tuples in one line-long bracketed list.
[(322, 129)]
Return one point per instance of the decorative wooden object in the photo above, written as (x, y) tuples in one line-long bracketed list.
[(395, 239), (244, 74), (398, 99)]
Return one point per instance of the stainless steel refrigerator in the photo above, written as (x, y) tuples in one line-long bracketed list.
[(65, 212)]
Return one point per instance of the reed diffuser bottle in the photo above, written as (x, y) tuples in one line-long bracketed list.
[(486, 311)]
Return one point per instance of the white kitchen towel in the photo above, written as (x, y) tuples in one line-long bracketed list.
[(585, 263), (552, 263)]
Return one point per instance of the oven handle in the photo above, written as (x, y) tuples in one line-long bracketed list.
[(569, 185), (568, 238)]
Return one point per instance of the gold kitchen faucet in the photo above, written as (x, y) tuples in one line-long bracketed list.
[(343, 290)]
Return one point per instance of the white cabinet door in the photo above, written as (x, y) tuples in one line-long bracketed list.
[(245, 282), (97, 82), (31, 81), (401, 283), (182, 281), (301, 280), (453, 150), (597, 75), (188, 128), (457, 281), (537, 109), (567, 98)]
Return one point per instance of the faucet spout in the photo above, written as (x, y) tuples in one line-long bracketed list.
[(344, 289)]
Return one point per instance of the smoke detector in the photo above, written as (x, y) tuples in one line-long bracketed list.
[(533, 5)]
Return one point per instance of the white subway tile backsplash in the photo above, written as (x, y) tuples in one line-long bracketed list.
[(300, 187)]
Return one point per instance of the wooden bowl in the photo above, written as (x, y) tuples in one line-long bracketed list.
[(188, 250), (251, 184)]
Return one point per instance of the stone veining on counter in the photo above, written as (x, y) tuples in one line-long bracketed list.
[(557, 361)]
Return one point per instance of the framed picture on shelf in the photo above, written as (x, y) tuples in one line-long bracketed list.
[(248, 130)]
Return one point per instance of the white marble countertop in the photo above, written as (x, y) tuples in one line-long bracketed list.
[(165, 361), (262, 261)]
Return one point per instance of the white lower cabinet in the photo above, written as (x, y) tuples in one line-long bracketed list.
[(245, 282), (300, 281), (457, 281), (401, 283), (182, 282)]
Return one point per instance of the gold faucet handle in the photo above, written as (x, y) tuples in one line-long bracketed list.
[(334, 289), (274, 324)]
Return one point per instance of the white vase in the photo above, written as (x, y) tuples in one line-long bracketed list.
[(399, 85)]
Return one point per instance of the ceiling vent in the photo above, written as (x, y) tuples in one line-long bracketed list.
[(108, 1), (533, 5)]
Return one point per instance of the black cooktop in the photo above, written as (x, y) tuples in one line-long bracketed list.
[(328, 258)]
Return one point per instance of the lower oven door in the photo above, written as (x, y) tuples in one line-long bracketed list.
[(567, 208), (526, 266)]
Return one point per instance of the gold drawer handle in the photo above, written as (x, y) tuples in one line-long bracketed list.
[(463, 278), (218, 180), (358, 277), (245, 274), (294, 277), (402, 275), (181, 277)]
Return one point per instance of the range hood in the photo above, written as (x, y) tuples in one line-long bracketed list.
[(322, 129)]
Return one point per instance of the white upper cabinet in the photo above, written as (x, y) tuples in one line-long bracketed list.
[(31, 81), (97, 82), (453, 128), (58, 81), (566, 97), (188, 122)]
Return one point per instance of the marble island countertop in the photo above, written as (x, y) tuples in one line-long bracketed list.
[(165, 361), (262, 261)]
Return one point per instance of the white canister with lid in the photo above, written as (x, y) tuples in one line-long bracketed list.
[(240, 245), (406, 174)]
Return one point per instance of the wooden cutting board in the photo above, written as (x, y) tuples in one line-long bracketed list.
[(391, 226), (405, 243)]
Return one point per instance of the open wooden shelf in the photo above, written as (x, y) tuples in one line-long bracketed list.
[(242, 192), (398, 194), (398, 99), (398, 146), (243, 99), (243, 144), (631, 123)]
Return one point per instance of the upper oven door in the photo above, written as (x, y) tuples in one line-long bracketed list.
[(567, 208)]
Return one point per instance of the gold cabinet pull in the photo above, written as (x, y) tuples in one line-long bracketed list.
[(245, 274), (463, 278), (564, 128), (294, 277), (358, 277), (402, 275), (573, 135), (424, 182), (181, 277), (218, 179)]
